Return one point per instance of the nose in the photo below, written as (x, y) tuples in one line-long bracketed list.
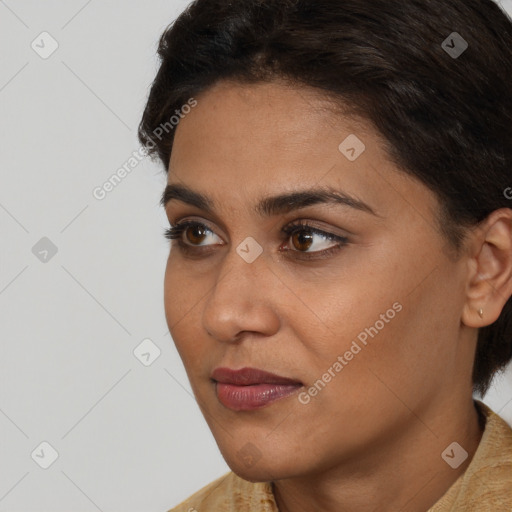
[(242, 300)]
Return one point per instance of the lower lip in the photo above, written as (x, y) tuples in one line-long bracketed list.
[(246, 398)]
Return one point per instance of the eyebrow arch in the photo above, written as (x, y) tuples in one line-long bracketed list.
[(269, 206)]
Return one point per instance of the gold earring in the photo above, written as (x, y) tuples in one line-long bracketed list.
[(481, 312)]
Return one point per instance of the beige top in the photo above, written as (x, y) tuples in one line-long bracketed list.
[(485, 486)]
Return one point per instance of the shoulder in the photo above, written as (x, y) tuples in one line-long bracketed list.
[(230, 493), (490, 479), (487, 482)]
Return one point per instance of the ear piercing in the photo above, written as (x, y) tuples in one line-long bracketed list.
[(481, 312)]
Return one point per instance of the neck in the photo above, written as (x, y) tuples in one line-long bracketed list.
[(405, 473)]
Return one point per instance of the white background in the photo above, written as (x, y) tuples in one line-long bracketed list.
[(129, 437)]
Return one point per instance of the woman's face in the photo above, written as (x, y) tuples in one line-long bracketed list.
[(368, 325)]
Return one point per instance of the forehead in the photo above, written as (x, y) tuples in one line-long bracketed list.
[(253, 123), (243, 142)]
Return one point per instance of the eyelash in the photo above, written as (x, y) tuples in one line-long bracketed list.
[(175, 233)]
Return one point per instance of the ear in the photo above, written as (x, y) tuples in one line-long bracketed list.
[(489, 283)]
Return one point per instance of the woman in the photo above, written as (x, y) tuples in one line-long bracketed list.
[(340, 277)]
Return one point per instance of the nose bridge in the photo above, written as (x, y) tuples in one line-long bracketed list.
[(244, 265), (238, 300)]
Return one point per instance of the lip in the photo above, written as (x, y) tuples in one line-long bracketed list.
[(248, 376), (251, 388)]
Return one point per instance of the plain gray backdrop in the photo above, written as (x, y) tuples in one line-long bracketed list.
[(96, 411)]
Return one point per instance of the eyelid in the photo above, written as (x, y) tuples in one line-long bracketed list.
[(290, 224), (200, 218), (312, 225), (186, 220)]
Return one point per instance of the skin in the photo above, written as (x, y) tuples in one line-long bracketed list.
[(372, 438)]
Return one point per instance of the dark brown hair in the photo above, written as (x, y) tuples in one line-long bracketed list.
[(446, 119)]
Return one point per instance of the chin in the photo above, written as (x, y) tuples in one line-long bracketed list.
[(257, 473), (252, 475), (265, 469)]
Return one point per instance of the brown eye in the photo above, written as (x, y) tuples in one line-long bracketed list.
[(302, 240), (197, 234)]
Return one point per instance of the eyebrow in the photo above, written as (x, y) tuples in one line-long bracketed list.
[(269, 206)]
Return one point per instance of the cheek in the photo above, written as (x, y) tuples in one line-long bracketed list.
[(402, 353), (377, 326), (180, 296), (174, 296), (179, 300), (346, 310), (183, 302)]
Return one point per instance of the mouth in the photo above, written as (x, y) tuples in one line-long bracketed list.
[(250, 388)]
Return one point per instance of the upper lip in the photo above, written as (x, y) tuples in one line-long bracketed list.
[(247, 376)]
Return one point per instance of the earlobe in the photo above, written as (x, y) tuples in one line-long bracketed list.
[(489, 284), (476, 318)]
